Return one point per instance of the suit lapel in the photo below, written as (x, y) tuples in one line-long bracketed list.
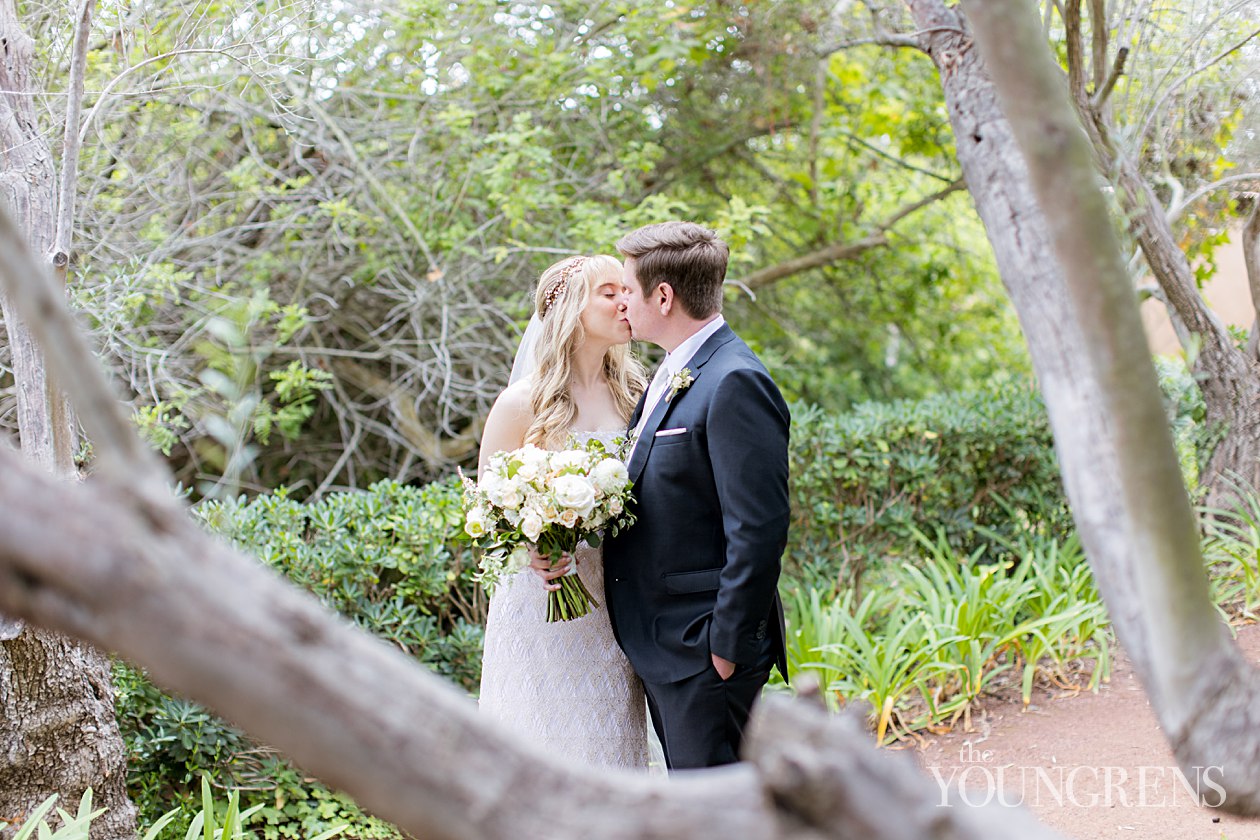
[(701, 357)]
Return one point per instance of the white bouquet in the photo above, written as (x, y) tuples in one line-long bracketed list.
[(552, 500)]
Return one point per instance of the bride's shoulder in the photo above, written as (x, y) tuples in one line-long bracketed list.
[(509, 420), (513, 405), (516, 396)]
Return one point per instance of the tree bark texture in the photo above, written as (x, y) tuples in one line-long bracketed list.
[(58, 733), (1200, 686), (997, 179)]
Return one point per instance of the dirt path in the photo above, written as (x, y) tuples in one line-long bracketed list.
[(1089, 765)]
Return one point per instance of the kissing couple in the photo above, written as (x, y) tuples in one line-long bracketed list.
[(693, 621)]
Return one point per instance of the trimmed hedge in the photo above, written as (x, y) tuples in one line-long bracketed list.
[(975, 467)]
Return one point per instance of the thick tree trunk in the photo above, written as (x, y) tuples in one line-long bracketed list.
[(1235, 461), (997, 179), (1202, 690), (57, 728)]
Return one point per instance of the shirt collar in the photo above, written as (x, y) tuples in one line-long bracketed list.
[(677, 360)]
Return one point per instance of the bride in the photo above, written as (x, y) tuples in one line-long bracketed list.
[(566, 684)]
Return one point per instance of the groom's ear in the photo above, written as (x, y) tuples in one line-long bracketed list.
[(664, 296)]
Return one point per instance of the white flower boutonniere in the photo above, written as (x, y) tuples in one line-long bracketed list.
[(680, 381)]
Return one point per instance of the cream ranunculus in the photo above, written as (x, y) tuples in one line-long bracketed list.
[(574, 492), (475, 524), (610, 475)]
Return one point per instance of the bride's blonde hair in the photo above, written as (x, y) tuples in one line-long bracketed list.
[(562, 294)]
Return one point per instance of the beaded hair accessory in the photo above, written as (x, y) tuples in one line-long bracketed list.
[(562, 282)]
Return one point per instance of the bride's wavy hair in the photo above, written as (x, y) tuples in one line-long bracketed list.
[(562, 295)]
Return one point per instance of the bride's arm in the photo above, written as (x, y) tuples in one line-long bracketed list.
[(509, 420)]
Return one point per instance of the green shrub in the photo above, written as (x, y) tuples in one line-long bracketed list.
[(388, 558), (974, 467)]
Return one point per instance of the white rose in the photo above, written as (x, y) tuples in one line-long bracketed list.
[(610, 475), (568, 517), (512, 497), (531, 524), (527, 472), (575, 493), (533, 455), (615, 507), (570, 459)]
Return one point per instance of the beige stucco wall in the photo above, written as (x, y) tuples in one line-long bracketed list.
[(1226, 293)]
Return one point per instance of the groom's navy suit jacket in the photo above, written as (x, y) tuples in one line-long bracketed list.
[(697, 573)]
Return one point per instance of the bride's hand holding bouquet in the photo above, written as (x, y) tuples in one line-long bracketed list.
[(533, 498)]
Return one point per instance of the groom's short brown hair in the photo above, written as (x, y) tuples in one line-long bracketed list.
[(690, 258)]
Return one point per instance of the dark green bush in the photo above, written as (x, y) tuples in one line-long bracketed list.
[(389, 559), (977, 467)]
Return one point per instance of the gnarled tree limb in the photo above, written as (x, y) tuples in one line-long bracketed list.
[(841, 251)]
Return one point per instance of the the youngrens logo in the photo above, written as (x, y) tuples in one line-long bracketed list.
[(982, 779)]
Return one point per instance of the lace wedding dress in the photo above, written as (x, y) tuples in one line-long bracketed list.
[(564, 684)]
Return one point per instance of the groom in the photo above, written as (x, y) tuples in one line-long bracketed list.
[(691, 587)]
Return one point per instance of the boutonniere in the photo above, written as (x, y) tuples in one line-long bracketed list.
[(680, 381)]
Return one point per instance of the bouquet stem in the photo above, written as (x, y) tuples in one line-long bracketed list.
[(572, 600)]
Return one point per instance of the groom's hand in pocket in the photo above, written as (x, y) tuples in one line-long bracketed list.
[(545, 569), (724, 667)]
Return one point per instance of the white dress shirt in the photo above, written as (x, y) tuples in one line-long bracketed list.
[(674, 362)]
